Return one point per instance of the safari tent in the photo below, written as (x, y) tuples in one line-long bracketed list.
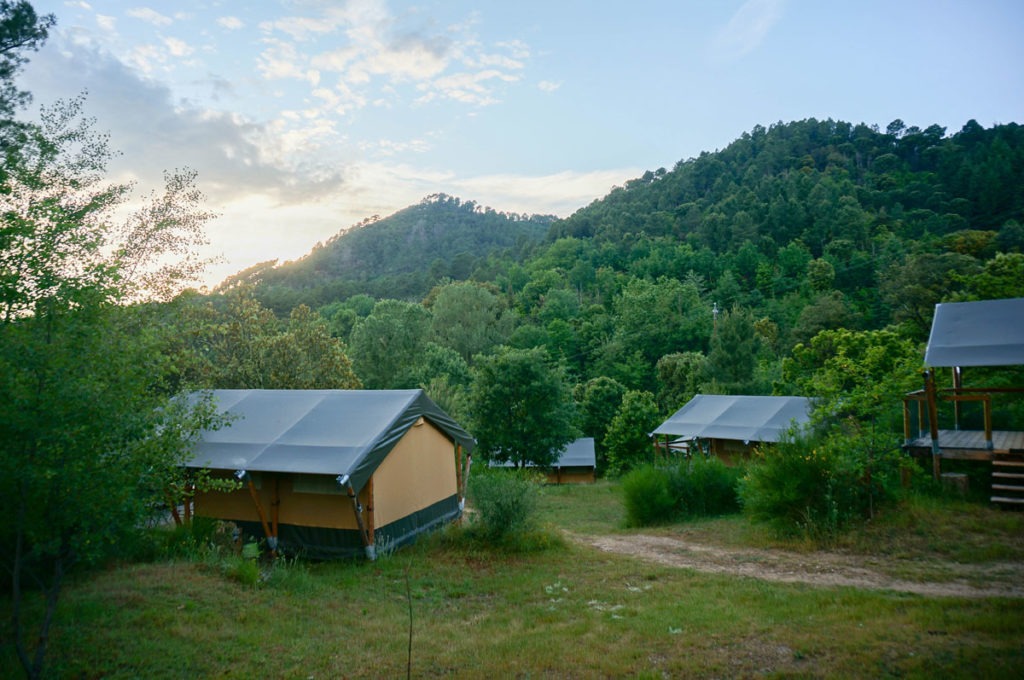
[(730, 425), (577, 464), (987, 333), (334, 473)]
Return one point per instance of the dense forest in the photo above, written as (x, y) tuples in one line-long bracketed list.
[(763, 268), (790, 230)]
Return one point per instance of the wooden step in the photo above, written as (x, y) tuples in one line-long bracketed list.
[(1009, 475), (1008, 487), (1004, 499), (1008, 463)]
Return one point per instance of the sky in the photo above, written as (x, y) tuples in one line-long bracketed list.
[(303, 117)]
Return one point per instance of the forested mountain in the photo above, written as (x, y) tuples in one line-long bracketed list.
[(804, 258), (399, 256)]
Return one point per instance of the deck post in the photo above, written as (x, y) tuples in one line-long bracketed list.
[(933, 422), (958, 383)]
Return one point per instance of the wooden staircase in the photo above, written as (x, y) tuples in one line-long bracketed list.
[(1008, 480)]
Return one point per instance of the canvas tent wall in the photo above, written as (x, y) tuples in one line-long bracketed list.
[(333, 473), (729, 425)]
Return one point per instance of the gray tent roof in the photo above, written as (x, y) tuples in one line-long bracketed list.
[(741, 418), (985, 333), (335, 432), (579, 453)]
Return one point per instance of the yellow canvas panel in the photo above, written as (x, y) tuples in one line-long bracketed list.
[(419, 472)]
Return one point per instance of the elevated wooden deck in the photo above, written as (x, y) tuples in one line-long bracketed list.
[(969, 444)]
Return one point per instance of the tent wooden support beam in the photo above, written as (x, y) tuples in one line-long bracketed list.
[(364, 535), (271, 537)]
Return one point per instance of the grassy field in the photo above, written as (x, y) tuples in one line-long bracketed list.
[(570, 611)]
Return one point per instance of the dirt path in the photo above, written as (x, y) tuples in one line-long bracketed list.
[(949, 579)]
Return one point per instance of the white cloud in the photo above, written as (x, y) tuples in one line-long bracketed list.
[(230, 23), (178, 48), (548, 86), (150, 16), (106, 23), (469, 88), (747, 29)]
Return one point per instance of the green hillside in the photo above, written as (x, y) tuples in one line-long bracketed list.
[(402, 255)]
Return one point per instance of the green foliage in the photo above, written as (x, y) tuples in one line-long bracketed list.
[(236, 343), (92, 441), (505, 502), (732, 359), (386, 345), (704, 486), (400, 256), (522, 408), (819, 486), (647, 495), (597, 402), (679, 377), (628, 442), (696, 487), (468, 318)]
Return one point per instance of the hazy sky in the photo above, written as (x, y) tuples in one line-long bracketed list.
[(303, 117)]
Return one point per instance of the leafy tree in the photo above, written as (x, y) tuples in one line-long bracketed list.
[(88, 440), (306, 357), (913, 288), (468, 318), (386, 345), (597, 402), (21, 30), (732, 359), (679, 377), (521, 408), (1001, 277), (628, 441)]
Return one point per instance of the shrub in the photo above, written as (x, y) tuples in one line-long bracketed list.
[(818, 486), (648, 496), (505, 502), (705, 487)]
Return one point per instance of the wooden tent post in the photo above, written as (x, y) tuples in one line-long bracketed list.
[(357, 509), (271, 539)]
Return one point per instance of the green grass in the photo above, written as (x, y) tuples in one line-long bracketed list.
[(566, 612)]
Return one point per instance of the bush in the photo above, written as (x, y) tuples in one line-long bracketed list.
[(819, 486), (648, 496), (505, 502), (705, 487)]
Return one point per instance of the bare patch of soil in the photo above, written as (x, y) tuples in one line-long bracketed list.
[(820, 568)]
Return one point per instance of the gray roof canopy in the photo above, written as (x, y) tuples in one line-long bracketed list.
[(985, 333), (740, 418), (335, 432), (579, 453)]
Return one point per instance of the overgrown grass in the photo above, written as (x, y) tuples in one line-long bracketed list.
[(571, 612)]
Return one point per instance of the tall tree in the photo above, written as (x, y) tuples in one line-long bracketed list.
[(521, 407), (387, 345), (88, 439)]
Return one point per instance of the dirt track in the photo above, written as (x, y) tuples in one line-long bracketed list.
[(1004, 579)]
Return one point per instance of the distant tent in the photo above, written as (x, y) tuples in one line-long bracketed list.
[(984, 333), (730, 424), (575, 465), (332, 473)]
